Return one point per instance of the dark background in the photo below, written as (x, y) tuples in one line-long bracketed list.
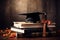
[(58, 14), (2, 14), (6, 21)]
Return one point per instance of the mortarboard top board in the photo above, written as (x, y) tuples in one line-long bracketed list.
[(34, 16), (33, 13)]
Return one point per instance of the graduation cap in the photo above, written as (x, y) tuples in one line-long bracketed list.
[(32, 17)]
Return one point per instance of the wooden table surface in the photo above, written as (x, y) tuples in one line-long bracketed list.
[(49, 38)]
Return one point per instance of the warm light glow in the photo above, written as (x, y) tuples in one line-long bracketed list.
[(17, 30), (20, 5)]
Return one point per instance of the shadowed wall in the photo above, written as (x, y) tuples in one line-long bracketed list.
[(24, 6), (21, 6), (9, 9)]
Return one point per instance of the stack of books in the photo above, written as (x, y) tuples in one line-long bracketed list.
[(30, 29)]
